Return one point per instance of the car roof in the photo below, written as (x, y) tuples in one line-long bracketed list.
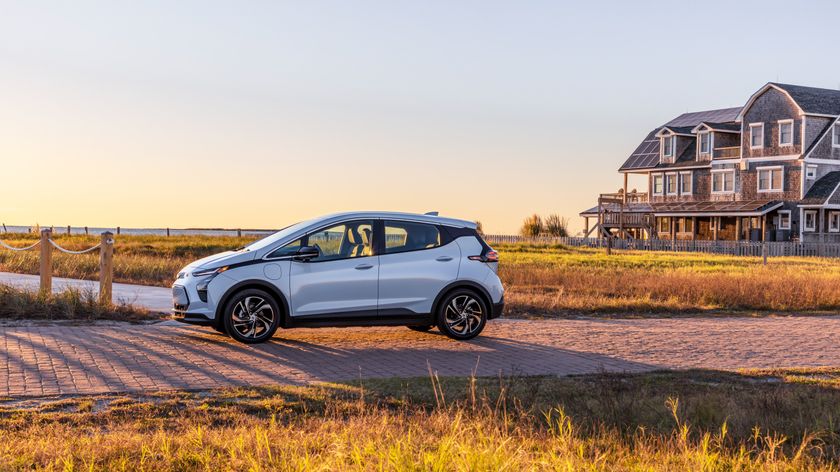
[(427, 218)]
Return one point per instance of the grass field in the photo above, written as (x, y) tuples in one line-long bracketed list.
[(659, 421), (75, 305), (540, 280)]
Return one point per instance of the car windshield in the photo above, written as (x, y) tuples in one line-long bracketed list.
[(269, 240)]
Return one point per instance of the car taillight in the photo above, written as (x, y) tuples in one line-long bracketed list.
[(488, 256)]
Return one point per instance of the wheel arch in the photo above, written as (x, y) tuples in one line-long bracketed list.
[(462, 284), (218, 320)]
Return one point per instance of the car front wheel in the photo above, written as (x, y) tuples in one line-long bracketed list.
[(462, 315), (252, 316)]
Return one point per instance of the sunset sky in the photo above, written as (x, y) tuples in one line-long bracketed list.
[(251, 114)]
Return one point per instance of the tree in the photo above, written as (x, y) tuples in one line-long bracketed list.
[(556, 225), (532, 226), (479, 228)]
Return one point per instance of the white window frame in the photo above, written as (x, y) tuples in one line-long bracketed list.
[(723, 190), (673, 140), (786, 213), (805, 226), (668, 189), (785, 122), (771, 169), (690, 182), (811, 172), (754, 126), (700, 136), (835, 135), (653, 184), (834, 217)]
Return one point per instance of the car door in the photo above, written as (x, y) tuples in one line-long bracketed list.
[(414, 267), (342, 280)]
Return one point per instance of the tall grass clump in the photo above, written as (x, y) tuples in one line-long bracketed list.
[(70, 304)]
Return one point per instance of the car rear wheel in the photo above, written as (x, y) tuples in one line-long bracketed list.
[(462, 314), (252, 316)]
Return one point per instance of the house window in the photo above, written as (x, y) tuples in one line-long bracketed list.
[(671, 184), (723, 181), (657, 184), (786, 133), (756, 135), (784, 219), (834, 222), (835, 137), (664, 225), (705, 143), (810, 220), (685, 183), (688, 225), (770, 179), (668, 146), (811, 172)]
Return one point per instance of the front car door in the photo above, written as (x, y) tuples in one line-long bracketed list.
[(414, 267), (342, 280)]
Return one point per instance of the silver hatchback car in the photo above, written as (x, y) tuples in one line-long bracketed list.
[(348, 269)]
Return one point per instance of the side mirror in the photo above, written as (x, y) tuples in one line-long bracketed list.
[(306, 253)]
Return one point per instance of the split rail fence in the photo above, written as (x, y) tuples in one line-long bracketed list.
[(47, 244), (733, 248)]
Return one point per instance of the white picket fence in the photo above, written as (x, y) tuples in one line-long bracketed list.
[(734, 248)]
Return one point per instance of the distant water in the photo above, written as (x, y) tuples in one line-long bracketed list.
[(144, 231)]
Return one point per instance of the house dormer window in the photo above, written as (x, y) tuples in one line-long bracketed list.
[(786, 133), (756, 135), (668, 146), (705, 142)]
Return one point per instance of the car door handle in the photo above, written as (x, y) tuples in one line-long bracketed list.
[(364, 266), (443, 259)]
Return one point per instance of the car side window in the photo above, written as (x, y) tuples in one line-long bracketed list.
[(402, 236), (344, 241), (288, 250)]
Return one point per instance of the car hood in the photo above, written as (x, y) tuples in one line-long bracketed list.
[(220, 259)]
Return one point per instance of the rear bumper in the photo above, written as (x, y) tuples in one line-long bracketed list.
[(497, 309), (192, 318)]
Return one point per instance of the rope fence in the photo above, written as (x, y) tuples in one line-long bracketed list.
[(106, 261)]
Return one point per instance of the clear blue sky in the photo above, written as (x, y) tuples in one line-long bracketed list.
[(259, 114)]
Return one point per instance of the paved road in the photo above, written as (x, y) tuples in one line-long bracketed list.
[(70, 360), (152, 298)]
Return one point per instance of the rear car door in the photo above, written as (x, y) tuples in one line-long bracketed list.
[(414, 267), (342, 280)]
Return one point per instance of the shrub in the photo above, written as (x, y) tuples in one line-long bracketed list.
[(532, 226), (556, 225)]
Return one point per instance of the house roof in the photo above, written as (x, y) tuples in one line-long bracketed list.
[(646, 154), (748, 207), (822, 189), (725, 127), (745, 208), (812, 99)]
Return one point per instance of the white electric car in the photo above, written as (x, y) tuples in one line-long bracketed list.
[(348, 269)]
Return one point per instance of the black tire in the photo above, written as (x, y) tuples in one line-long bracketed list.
[(422, 328), (252, 316), (219, 328), (462, 314)]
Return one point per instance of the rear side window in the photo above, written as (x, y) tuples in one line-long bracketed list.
[(402, 236)]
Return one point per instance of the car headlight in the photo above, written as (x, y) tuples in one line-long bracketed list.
[(206, 272)]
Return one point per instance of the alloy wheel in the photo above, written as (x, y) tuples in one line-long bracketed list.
[(252, 317), (463, 315)]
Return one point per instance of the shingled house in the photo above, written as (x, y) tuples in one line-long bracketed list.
[(769, 171)]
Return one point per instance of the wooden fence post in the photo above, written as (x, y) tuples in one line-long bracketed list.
[(609, 245), (106, 268), (239, 233), (764, 251), (167, 232), (46, 262), (68, 229), (118, 230)]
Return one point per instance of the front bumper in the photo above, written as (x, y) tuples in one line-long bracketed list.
[(192, 318)]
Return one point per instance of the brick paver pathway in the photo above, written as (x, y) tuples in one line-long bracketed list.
[(94, 359)]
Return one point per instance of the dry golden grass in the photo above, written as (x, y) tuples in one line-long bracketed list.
[(540, 280), (75, 305), (659, 421)]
